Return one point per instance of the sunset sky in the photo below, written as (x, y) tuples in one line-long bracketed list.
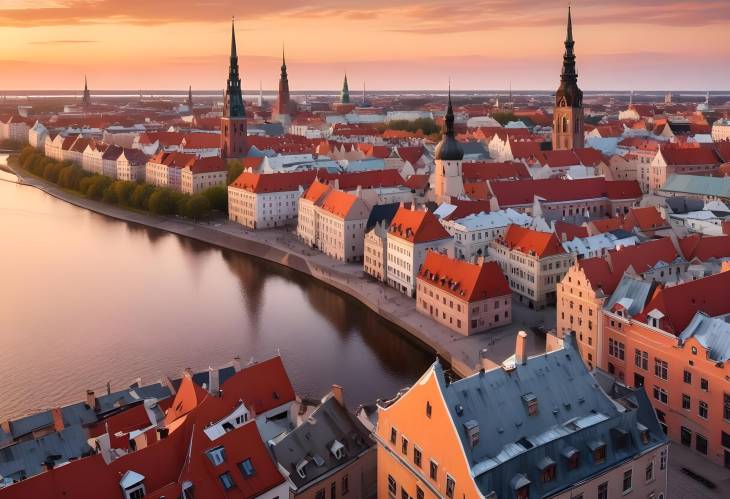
[(402, 44)]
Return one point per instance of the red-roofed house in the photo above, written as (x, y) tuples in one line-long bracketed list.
[(202, 173), (482, 171), (675, 159), (263, 201), (163, 169), (646, 220), (201, 144), (533, 261), (570, 200), (466, 297), (411, 234), (131, 165), (670, 342)]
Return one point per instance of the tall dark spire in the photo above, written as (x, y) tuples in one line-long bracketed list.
[(568, 93), (449, 148), (284, 76), (233, 102), (190, 98), (86, 99), (345, 94)]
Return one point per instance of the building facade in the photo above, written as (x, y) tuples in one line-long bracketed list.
[(568, 113), (234, 127)]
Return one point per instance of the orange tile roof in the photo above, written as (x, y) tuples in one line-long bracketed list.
[(478, 191), (680, 156), (315, 191), (339, 203), (522, 192), (417, 226), (468, 281), (571, 231), (705, 247), (602, 225), (274, 182), (528, 241), (646, 218)]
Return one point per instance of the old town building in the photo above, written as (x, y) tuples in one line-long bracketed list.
[(200, 174), (448, 181), (234, 128), (568, 112), (468, 298)]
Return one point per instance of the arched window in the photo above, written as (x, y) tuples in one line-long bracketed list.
[(565, 124)]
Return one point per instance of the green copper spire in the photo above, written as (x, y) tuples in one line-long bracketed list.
[(345, 95)]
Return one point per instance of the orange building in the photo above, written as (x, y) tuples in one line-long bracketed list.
[(675, 342), (516, 431), (465, 297)]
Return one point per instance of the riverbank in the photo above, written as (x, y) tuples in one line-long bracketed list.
[(281, 246)]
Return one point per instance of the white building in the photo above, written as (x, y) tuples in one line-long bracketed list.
[(721, 130), (376, 251), (131, 165), (411, 234), (473, 233), (37, 135), (200, 174), (598, 245)]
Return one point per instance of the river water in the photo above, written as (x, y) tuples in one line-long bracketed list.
[(85, 300)]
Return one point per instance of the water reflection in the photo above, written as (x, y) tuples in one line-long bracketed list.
[(85, 299)]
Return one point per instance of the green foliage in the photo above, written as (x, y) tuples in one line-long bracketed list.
[(426, 125), (140, 197), (504, 117), (196, 207), (97, 186), (70, 177), (163, 202), (235, 168), (123, 191), (217, 198)]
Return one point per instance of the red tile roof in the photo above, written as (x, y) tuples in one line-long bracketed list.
[(466, 208), (645, 219), (526, 150), (207, 165), (560, 159), (528, 241), (202, 141), (643, 257), (468, 281), (367, 179), (681, 156), (274, 182), (680, 303), (417, 182), (522, 192), (339, 203), (602, 225), (477, 191), (589, 156), (482, 170), (417, 226), (705, 247), (410, 154), (570, 231)]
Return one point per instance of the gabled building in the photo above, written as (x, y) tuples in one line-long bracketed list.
[(533, 427), (468, 298), (671, 160), (412, 233), (203, 173), (534, 263), (673, 341)]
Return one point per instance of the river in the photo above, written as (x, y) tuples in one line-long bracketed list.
[(86, 300)]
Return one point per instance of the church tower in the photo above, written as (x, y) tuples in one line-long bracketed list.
[(345, 94), (568, 114), (190, 99), (283, 103), (448, 155), (234, 129), (86, 99)]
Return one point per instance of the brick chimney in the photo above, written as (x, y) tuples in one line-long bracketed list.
[(91, 399), (521, 348), (339, 393), (57, 419)]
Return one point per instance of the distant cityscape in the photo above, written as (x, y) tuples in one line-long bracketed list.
[(564, 255)]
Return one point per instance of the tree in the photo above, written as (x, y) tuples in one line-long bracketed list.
[(162, 202), (97, 186), (218, 198), (140, 196), (197, 207), (123, 191), (235, 168)]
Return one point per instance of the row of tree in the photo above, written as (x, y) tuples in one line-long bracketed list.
[(137, 195)]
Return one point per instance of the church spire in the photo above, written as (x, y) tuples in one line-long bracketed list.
[(345, 95), (233, 103), (569, 73), (449, 148), (283, 64), (449, 118), (190, 98), (233, 39), (86, 98)]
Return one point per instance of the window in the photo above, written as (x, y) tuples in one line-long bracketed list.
[(433, 471), (650, 471), (599, 454), (703, 409), (701, 444), (660, 394), (393, 435), (548, 474), (661, 369), (523, 492), (404, 445), (627, 480), (403, 493), (726, 407), (450, 485), (217, 456), (663, 460), (686, 436), (641, 359), (246, 468), (428, 409), (417, 456), (137, 493), (226, 480), (615, 349), (704, 385), (686, 402), (345, 484), (688, 377), (392, 486), (320, 494), (638, 380), (333, 490), (419, 493), (603, 491)]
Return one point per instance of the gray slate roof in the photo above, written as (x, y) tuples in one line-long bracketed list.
[(694, 184), (574, 413), (313, 440), (712, 333)]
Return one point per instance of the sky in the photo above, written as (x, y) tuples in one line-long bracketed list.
[(384, 44)]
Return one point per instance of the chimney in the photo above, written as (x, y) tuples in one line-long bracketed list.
[(188, 373), (213, 384), (5, 426), (339, 393), (57, 419), (521, 348), (484, 362), (91, 399), (237, 363)]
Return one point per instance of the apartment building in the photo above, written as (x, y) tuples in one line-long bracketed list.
[(534, 263), (263, 201), (672, 340), (203, 173), (411, 234), (468, 298), (672, 159), (568, 434)]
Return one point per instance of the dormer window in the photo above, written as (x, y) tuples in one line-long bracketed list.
[(227, 481), (337, 450), (217, 456), (246, 468), (132, 484), (301, 468), (547, 469), (572, 457), (530, 401), (598, 451), (472, 432)]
